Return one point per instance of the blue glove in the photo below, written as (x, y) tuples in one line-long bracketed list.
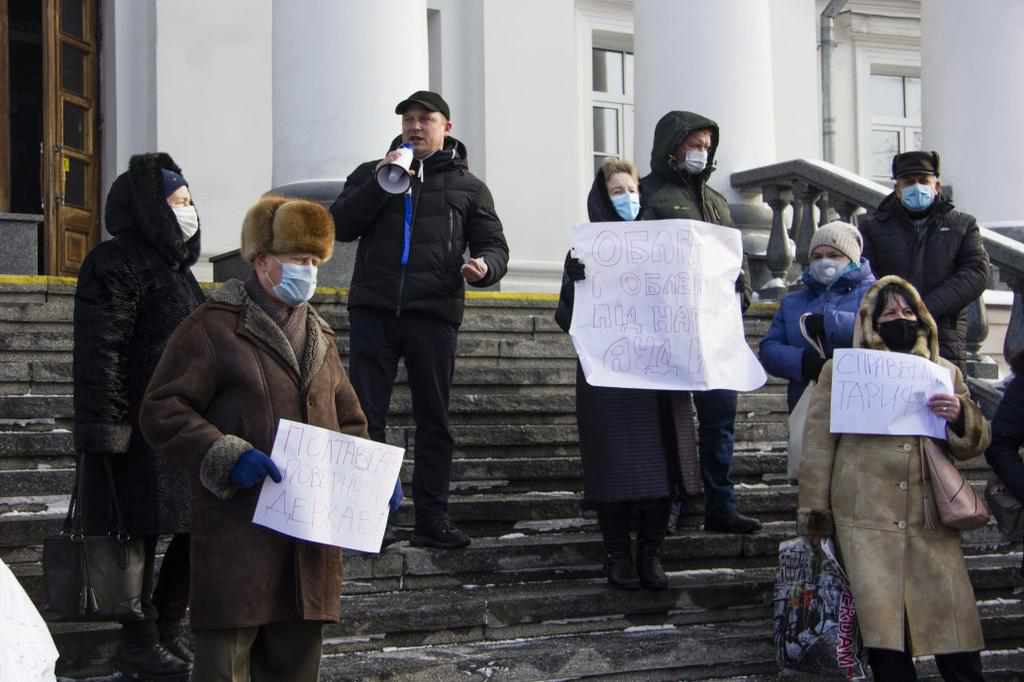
[(252, 467), (396, 496)]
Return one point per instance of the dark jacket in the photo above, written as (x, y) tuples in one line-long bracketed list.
[(671, 194), (132, 292), (1008, 438), (452, 209), (228, 376), (633, 442), (782, 348), (945, 260)]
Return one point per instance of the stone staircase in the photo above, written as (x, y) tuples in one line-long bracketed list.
[(527, 600)]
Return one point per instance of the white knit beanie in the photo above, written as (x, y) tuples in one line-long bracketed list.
[(843, 237)]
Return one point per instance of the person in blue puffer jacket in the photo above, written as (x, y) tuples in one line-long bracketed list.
[(834, 284)]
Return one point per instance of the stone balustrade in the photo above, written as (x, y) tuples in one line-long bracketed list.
[(819, 192)]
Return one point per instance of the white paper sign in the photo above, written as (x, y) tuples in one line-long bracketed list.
[(335, 488), (659, 309), (882, 393)]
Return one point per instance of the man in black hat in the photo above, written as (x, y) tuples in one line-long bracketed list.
[(408, 287), (915, 233)]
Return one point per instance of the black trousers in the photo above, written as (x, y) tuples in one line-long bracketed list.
[(378, 340), (164, 597), (898, 666)]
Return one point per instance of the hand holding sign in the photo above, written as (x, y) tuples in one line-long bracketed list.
[(945, 406), (335, 488)]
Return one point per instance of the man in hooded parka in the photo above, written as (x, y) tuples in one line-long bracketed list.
[(682, 160)]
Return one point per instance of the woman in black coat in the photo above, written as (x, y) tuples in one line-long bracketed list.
[(132, 292), (1003, 454), (628, 437)]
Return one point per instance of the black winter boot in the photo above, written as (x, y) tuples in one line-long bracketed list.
[(614, 519), (142, 654), (653, 525), (177, 639)]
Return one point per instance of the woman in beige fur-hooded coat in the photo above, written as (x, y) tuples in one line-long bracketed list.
[(868, 492)]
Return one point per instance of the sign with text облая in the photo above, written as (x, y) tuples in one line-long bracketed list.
[(882, 393), (658, 308), (334, 489)]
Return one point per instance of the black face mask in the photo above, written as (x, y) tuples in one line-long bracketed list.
[(899, 335)]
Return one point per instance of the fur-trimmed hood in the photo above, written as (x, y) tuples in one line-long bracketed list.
[(136, 204), (866, 336)]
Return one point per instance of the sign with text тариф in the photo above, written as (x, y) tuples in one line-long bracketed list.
[(658, 308), (882, 393), (334, 489)]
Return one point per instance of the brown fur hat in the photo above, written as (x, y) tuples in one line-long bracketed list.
[(280, 225)]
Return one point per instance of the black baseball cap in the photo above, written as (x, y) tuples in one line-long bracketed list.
[(431, 101), (915, 163)]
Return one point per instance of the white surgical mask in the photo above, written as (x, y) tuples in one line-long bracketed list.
[(827, 270), (696, 161), (188, 220)]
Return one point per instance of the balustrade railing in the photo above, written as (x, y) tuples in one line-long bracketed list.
[(819, 192)]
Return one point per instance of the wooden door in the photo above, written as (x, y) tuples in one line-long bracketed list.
[(70, 144)]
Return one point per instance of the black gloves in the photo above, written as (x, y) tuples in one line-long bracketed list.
[(815, 325), (811, 364), (575, 269)]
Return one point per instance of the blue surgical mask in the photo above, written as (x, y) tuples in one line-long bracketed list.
[(298, 283), (917, 197), (627, 205)]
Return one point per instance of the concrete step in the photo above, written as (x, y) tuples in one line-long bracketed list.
[(650, 653), (505, 611), (408, 614), (33, 406), (732, 652)]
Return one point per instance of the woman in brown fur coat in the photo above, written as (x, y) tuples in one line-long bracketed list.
[(908, 576)]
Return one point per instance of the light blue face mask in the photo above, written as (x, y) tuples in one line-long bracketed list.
[(627, 205), (298, 283), (917, 197)]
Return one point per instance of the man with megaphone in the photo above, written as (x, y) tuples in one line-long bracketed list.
[(415, 213)]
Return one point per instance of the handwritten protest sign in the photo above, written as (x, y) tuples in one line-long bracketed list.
[(335, 487), (877, 392), (658, 308)]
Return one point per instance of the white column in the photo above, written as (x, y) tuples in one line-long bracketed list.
[(213, 100), (712, 58), (972, 56), (339, 70)]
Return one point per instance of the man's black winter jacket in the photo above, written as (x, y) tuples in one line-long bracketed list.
[(945, 260), (452, 209)]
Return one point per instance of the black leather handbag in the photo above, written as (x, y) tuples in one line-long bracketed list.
[(1007, 509), (93, 577)]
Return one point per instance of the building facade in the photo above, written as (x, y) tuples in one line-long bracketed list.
[(248, 95)]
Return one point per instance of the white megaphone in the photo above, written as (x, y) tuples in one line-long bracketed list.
[(393, 176)]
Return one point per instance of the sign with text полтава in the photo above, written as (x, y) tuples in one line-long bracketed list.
[(882, 393), (658, 308), (334, 489)]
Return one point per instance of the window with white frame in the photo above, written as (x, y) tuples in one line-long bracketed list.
[(895, 104), (612, 94)]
